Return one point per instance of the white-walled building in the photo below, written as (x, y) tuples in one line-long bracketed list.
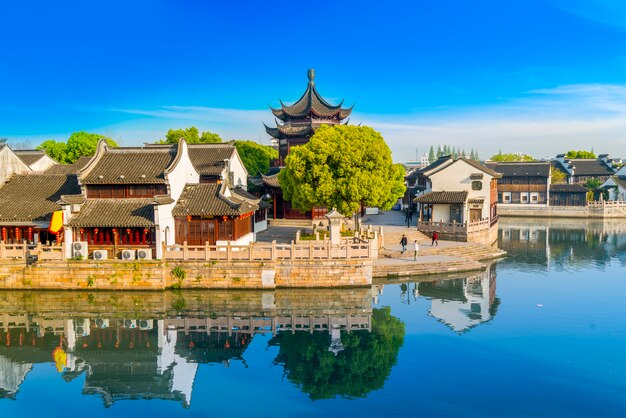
[(37, 160), (460, 199), (140, 197), (10, 164), (616, 185)]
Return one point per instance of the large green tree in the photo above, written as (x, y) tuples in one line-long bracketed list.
[(256, 157), (580, 154), (500, 157), (191, 135), (342, 167), (362, 366), (79, 144)]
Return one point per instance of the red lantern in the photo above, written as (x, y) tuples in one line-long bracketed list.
[(4, 234), (30, 233), (189, 218), (95, 231)]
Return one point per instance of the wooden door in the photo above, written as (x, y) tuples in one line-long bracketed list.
[(475, 215)]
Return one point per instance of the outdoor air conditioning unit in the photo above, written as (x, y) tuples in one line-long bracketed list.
[(146, 324), (79, 249), (130, 323), (100, 254), (144, 254), (128, 254), (102, 323)]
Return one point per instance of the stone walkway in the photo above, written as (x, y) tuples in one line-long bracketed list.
[(448, 257)]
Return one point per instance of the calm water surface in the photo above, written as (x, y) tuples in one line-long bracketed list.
[(541, 334)]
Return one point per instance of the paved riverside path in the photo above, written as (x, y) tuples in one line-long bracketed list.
[(448, 257)]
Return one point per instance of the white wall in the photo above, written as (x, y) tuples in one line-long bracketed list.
[(240, 174), (182, 174), (456, 178), (42, 164), (10, 164)]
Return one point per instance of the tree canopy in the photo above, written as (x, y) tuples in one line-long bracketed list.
[(573, 154), (191, 135), (256, 157), (79, 144), (557, 176), (342, 167), (362, 366), (500, 157)]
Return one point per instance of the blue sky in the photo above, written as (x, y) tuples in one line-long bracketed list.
[(540, 76)]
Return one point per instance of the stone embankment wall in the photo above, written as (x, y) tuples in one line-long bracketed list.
[(156, 275), (154, 305), (537, 211)]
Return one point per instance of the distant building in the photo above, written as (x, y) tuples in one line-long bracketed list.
[(10, 163), (581, 170), (616, 185), (522, 182), (36, 160), (459, 201)]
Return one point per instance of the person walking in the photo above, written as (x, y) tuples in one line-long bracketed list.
[(416, 249), (403, 242), (435, 239)]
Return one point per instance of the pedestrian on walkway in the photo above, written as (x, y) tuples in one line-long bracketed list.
[(435, 239), (403, 242), (416, 249)]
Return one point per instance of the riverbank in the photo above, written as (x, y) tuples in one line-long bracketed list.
[(601, 209)]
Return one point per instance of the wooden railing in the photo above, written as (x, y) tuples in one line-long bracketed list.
[(264, 252)]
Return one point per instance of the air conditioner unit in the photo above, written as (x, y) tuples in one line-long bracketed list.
[(102, 323), (79, 249), (146, 324), (100, 254), (128, 254), (130, 323), (144, 254)]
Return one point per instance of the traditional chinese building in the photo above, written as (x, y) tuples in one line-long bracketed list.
[(137, 198), (37, 160), (27, 202), (295, 124)]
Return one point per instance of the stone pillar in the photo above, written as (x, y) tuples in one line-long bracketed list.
[(335, 219)]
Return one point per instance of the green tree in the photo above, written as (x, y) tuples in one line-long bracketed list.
[(342, 167), (431, 155), (256, 157), (79, 144), (580, 154), (362, 366), (191, 135), (500, 157), (557, 177)]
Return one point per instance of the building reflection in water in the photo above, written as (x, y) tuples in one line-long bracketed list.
[(460, 304), (562, 243), (149, 346)]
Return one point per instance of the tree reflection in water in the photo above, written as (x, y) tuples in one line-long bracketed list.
[(361, 367)]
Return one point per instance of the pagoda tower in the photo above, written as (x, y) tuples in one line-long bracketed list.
[(299, 121)]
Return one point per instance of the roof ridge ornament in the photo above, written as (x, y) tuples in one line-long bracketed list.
[(311, 75)]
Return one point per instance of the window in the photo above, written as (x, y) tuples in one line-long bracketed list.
[(506, 197), (477, 185), (524, 197)]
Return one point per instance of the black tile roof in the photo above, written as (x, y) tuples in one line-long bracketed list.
[(132, 166), (442, 197), (115, 213), (584, 167), (516, 169), (567, 188), (33, 197), (208, 159), (30, 156), (205, 199)]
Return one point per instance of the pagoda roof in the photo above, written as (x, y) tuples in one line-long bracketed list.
[(285, 131), (311, 103)]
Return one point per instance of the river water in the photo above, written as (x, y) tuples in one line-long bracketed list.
[(542, 333)]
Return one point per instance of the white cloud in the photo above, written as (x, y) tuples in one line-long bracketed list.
[(541, 122)]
